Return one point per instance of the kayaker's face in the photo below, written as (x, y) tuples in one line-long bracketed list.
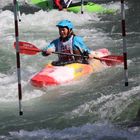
[(63, 32)]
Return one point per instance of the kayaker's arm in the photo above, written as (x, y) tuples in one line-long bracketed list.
[(58, 4), (49, 49), (81, 46), (62, 5)]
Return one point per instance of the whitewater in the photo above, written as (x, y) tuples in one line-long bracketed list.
[(98, 107)]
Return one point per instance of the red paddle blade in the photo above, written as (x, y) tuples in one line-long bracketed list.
[(27, 48), (112, 60)]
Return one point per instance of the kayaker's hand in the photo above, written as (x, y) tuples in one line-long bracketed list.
[(85, 53), (89, 55), (60, 8), (93, 55), (64, 9), (45, 53)]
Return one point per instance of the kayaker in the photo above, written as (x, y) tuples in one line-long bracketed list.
[(68, 42), (62, 4)]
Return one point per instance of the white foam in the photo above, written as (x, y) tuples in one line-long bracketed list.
[(110, 105), (94, 131), (9, 89)]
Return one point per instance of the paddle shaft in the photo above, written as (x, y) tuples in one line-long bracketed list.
[(30, 49), (76, 55), (68, 3)]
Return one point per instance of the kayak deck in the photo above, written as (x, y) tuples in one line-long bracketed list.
[(55, 75)]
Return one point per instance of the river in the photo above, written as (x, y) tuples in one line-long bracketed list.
[(98, 107)]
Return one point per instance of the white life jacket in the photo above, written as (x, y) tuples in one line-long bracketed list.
[(66, 47)]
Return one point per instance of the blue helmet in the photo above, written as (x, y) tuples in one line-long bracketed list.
[(65, 23)]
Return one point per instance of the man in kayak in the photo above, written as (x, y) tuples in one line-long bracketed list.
[(68, 43), (62, 4)]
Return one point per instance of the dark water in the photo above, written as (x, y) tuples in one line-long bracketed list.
[(98, 107)]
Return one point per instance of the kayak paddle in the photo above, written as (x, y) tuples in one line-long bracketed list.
[(30, 49)]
